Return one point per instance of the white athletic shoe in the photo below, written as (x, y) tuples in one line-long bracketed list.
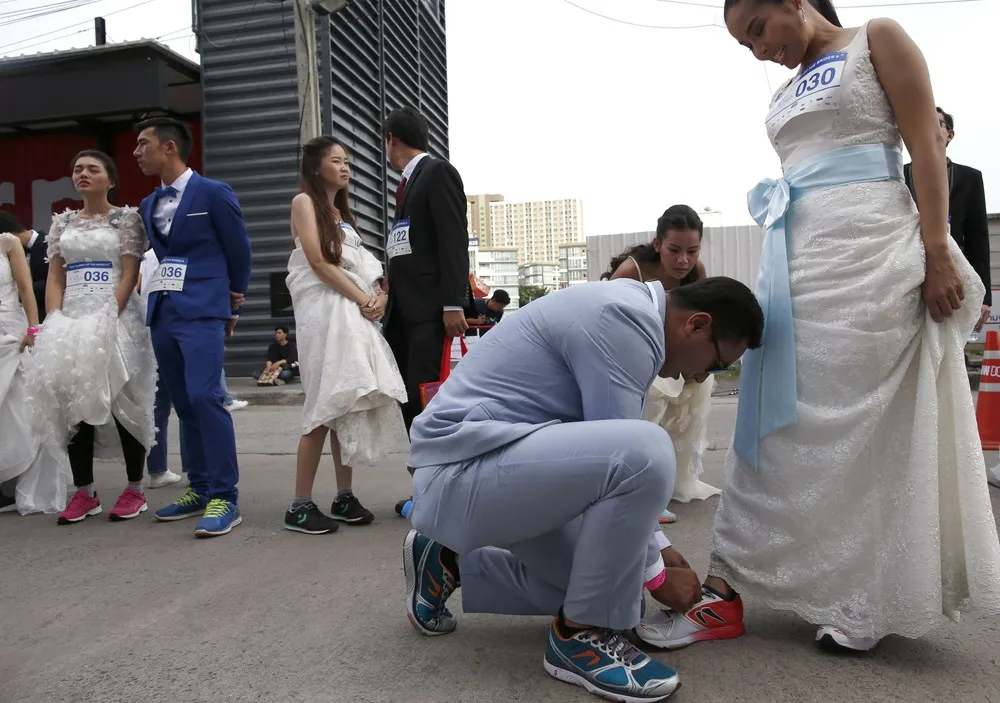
[(167, 478), (993, 476), (237, 405), (831, 636)]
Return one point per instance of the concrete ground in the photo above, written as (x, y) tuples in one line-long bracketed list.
[(108, 612)]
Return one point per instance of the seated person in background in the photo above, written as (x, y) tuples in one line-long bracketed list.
[(488, 312), (282, 360)]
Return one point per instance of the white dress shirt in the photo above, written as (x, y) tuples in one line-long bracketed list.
[(166, 206), (32, 240)]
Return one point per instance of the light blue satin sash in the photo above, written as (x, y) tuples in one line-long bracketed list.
[(767, 377)]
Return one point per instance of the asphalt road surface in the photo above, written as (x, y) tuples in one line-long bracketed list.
[(142, 611)]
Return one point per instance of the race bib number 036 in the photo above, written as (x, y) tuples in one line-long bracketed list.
[(89, 276), (818, 88), (399, 240), (169, 275)]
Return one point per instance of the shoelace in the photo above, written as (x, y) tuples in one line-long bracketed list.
[(188, 498), (78, 498), (216, 508), (615, 645)]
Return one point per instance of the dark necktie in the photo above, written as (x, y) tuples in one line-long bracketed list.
[(400, 190)]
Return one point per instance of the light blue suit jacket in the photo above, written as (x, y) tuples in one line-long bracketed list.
[(589, 352)]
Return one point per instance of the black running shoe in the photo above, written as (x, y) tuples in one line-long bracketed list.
[(309, 520), (350, 510)]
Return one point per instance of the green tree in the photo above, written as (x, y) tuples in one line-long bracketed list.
[(526, 294)]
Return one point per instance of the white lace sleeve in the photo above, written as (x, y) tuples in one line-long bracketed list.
[(59, 223), (132, 233), (7, 241)]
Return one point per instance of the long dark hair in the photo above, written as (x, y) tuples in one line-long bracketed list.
[(109, 167), (331, 236), (823, 7), (675, 217)]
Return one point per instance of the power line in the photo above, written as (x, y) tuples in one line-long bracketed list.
[(51, 39), (88, 23), (30, 13), (639, 24), (905, 3)]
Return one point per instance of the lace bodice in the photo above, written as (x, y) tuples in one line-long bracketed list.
[(107, 238), (826, 119), (8, 289), (354, 257)]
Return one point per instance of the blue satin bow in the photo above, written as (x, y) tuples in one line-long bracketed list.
[(768, 394), (165, 190)]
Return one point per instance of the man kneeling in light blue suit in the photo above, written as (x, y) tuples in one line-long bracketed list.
[(537, 485)]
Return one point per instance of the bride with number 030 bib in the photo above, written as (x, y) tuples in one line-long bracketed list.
[(856, 490)]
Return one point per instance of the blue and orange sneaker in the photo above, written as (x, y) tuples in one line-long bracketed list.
[(188, 505), (605, 663), (220, 518), (428, 585)]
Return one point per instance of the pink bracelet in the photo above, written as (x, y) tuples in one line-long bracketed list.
[(32, 331), (656, 581)]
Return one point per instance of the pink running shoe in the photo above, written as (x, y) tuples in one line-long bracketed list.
[(81, 506), (129, 504)]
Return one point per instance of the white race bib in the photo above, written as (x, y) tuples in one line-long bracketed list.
[(169, 275), (89, 276), (351, 238), (398, 243), (818, 88)]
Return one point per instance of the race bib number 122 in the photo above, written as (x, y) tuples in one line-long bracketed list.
[(818, 88)]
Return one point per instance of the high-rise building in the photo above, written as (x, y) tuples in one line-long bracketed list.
[(572, 264), (477, 211), (373, 56), (497, 268), (542, 275), (536, 228)]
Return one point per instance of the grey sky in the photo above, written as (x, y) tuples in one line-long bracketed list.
[(549, 101)]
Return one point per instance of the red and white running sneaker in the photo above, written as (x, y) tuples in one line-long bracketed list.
[(830, 636), (81, 506), (129, 504), (712, 618)]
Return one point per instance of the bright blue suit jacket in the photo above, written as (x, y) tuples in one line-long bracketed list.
[(208, 230)]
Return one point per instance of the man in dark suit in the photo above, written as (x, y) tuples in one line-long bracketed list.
[(35, 247), (966, 213), (427, 257)]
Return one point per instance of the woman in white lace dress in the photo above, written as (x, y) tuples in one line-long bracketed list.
[(94, 369), (856, 492), (20, 469), (352, 385), (679, 406)]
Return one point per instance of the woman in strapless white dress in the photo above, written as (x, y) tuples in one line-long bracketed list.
[(352, 384), (680, 407)]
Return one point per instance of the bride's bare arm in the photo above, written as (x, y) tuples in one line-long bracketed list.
[(304, 221)]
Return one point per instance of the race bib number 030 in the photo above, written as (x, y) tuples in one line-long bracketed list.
[(818, 88), (399, 240), (169, 275), (89, 276)]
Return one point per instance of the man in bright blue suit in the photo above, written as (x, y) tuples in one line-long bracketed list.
[(196, 229)]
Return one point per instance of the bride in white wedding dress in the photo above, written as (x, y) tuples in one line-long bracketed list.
[(23, 484), (352, 384), (856, 493)]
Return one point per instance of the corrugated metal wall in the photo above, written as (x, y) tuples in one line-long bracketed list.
[(374, 56), (725, 251)]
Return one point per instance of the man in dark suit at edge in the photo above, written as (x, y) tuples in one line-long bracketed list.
[(967, 218), (35, 246), (427, 256)]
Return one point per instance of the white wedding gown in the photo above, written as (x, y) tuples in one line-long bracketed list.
[(93, 364), (38, 490), (351, 382), (872, 513)]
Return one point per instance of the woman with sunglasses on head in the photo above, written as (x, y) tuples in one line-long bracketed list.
[(95, 373), (856, 493), (352, 384), (680, 406)]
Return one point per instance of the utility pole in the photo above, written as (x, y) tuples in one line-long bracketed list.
[(100, 32), (305, 63)]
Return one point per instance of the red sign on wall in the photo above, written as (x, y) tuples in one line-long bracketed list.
[(35, 172)]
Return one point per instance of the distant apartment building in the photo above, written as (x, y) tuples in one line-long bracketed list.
[(536, 228), (541, 274), (477, 211), (496, 267), (572, 263)]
